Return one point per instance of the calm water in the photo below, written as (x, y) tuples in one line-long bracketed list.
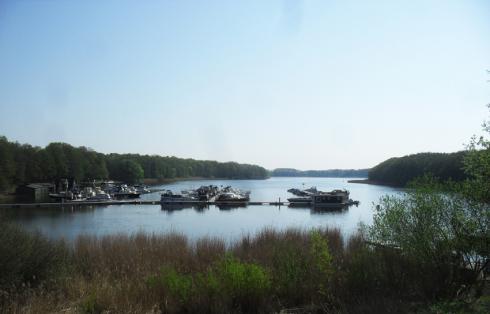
[(229, 224)]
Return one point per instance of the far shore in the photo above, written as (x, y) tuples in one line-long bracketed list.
[(153, 182), (372, 182)]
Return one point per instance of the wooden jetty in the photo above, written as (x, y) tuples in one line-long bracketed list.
[(179, 203), (138, 202)]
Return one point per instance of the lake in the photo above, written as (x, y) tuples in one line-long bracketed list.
[(229, 224)]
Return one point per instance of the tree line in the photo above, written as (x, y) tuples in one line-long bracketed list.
[(23, 163), (331, 173), (399, 171)]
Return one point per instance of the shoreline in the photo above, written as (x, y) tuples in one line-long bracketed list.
[(153, 182), (372, 182)]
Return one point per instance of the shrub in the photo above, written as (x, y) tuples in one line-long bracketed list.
[(437, 232), (179, 286), (240, 285), (290, 271), (244, 282), (90, 305), (27, 259), (322, 260)]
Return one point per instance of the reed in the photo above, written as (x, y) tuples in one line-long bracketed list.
[(313, 270)]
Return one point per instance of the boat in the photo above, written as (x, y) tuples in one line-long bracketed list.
[(168, 197), (305, 192), (300, 201), (63, 195), (229, 189), (297, 192), (124, 194), (125, 191), (207, 192), (99, 197), (231, 197), (335, 198), (142, 189), (311, 190)]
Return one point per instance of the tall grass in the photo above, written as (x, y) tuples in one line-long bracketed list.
[(299, 270)]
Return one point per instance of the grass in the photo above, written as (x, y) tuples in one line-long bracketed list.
[(309, 271)]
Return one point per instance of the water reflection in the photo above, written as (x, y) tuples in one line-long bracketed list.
[(27, 213), (229, 207), (228, 222), (199, 208)]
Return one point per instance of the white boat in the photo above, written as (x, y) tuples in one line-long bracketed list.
[(231, 197), (100, 197), (168, 198), (142, 189), (316, 198)]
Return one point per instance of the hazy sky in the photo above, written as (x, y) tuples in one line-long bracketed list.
[(305, 84)]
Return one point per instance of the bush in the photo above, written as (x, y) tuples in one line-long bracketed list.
[(246, 283), (90, 305), (27, 259), (438, 232), (241, 285), (322, 261)]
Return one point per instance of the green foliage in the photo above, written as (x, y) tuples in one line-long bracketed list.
[(242, 280), (126, 170), (438, 230), (28, 258), (7, 163), (325, 277), (290, 270), (90, 305), (243, 285), (20, 164), (322, 260), (376, 273), (481, 306), (402, 170), (477, 167), (178, 285)]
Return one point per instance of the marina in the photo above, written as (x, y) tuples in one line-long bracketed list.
[(268, 207), (205, 195), (143, 202)]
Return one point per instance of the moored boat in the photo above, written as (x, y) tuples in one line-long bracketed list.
[(299, 201), (335, 198), (230, 197), (168, 197), (100, 197), (315, 198)]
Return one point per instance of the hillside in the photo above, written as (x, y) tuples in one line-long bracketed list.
[(331, 173), (399, 171)]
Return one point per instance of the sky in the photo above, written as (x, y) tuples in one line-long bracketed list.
[(301, 84)]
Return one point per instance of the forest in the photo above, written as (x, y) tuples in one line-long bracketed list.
[(399, 171), (331, 173), (23, 163)]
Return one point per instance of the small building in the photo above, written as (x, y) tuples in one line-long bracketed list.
[(36, 192)]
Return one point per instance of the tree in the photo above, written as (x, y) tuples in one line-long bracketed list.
[(477, 166), (7, 164), (436, 227), (443, 227), (24, 163), (128, 171)]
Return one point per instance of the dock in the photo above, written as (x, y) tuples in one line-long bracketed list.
[(181, 204), (139, 202)]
